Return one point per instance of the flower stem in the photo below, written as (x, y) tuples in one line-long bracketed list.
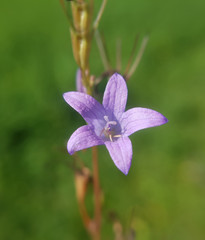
[(97, 198)]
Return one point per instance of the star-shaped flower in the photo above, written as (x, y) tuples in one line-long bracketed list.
[(109, 123)]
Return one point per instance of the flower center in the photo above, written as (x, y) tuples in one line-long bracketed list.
[(109, 129)]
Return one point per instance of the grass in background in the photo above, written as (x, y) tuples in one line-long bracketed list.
[(165, 186)]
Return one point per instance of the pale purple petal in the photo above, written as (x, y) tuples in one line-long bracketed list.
[(83, 137), (90, 109), (121, 153), (79, 84), (136, 119), (115, 96)]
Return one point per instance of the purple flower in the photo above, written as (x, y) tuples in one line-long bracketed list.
[(108, 123)]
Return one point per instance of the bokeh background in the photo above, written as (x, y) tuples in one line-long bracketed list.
[(163, 197)]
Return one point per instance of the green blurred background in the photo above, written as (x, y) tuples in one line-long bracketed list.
[(165, 185)]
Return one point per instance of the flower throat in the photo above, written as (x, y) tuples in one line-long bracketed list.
[(109, 130)]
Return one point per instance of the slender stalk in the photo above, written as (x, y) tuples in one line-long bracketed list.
[(97, 198), (138, 57), (102, 50), (66, 13), (131, 55), (97, 20)]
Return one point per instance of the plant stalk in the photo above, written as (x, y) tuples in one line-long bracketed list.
[(97, 193)]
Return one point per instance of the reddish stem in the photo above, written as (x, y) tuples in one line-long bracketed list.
[(97, 198)]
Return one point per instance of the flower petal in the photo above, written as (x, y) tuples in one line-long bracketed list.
[(136, 119), (115, 96), (83, 137), (121, 153), (79, 84), (90, 109)]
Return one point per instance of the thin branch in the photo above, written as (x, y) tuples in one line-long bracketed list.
[(97, 20), (66, 13), (101, 47), (138, 58), (131, 55), (97, 194)]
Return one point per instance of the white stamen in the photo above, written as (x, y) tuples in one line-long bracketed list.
[(112, 123), (106, 118), (109, 122), (117, 136), (110, 137)]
